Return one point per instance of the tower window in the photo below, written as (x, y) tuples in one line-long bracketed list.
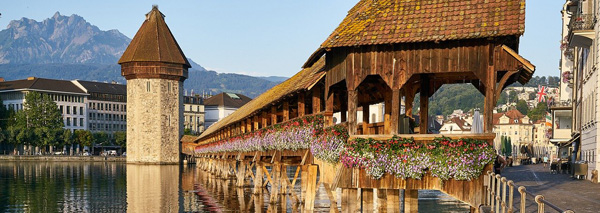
[(148, 86)]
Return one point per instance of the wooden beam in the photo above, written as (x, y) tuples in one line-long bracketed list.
[(424, 108), (255, 121), (393, 200), (258, 178), (286, 111)]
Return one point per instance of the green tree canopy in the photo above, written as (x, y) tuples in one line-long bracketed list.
[(539, 112), (522, 107), (83, 137), (39, 123), (121, 139)]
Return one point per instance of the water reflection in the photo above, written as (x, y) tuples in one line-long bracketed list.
[(153, 188), (117, 187)]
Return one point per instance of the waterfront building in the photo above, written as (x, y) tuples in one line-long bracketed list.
[(106, 106), (579, 63), (542, 131), (155, 68), (516, 126), (221, 105), (193, 114), (70, 99)]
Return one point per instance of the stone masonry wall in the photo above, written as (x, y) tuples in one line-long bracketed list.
[(154, 112)]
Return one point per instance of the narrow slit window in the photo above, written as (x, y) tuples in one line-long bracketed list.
[(148, 86)]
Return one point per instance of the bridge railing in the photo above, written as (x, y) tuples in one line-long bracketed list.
[(500, 189)]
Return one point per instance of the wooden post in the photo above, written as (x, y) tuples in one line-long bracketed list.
[(329, 108), (316, 100), (301, 105), (352, 104), (273, 115), (489, 101), (303, 182), (350, 201), (276, 183), (311, 188), (255, 122), (381, 200), (286, 111), (367, 200), (393, 200), (258, 178), (424, 108), (249, 125), (387, 118), (365, 124), (241, 174), (409, 95), (411, 200), (395, 114), (264, 119)]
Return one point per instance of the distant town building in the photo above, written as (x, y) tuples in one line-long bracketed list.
[(515, 125), (193, 114), (107, 106), (221, 105), (70, 99), (456, 125)]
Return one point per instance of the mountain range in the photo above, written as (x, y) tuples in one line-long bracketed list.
[(69, 47)]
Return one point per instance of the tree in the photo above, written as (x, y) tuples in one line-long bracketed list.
[(121, 139), (532, 96), (187, 131), (522, 107), (512, 96), (503, 98), (100, 137), (83, 137), (39, 123), (508, 146), (539, 112)]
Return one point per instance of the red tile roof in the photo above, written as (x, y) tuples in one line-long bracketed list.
[(154, 42), (372, 22), (511, 114)]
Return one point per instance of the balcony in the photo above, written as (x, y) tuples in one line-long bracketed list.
[(581, 27), (558, 105)]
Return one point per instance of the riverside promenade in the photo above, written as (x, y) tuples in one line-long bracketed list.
[(559, 189), (61, 158)]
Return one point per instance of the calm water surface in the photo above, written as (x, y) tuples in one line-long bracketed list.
[(118, 187)]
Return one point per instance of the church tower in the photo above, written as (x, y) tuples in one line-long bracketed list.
[(155, 68)]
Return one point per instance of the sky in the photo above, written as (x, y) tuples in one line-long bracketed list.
[(261, 37)]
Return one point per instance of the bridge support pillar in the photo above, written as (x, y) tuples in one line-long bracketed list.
[(350, 201), (411, 200), (241, 174), (392, 200), (258, 179), (276, 182), (311, 187), (367, 200)]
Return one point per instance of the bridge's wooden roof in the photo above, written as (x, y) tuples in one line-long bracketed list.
[(303, 80), (372, 22), (154, 42)]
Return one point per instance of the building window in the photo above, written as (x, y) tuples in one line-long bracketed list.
[(68, 121), (148, 86), (74, 121), (74, 110), (80, 121), (80, 110), (68, 110), (61, 109)]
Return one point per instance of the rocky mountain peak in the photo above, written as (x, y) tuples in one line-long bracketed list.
[(59, 39)]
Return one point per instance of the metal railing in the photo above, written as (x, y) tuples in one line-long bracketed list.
[(500, 189), (582, 22)]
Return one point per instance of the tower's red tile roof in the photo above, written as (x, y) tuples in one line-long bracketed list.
[(154, 42)]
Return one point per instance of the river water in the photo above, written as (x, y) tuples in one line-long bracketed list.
[(118, 187)]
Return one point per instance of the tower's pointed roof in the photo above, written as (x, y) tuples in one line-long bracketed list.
[(154, 42)]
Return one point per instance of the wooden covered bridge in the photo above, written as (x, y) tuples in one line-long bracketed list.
[(384, 51)]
